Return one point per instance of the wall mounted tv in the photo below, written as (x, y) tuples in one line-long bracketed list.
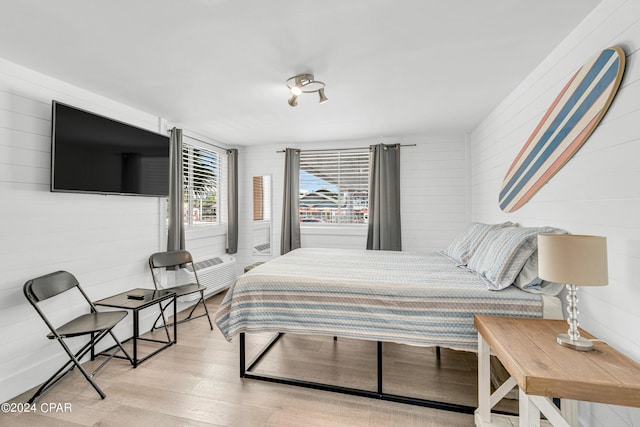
[(95, 154)]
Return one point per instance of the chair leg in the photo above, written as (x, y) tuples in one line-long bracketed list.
[(52, 380), (189, 317), (109, 356), (74, 361), (193, 308), (165, 325), (164, 320), (206, 310), (119, 344), (162, 309), (88, 377)]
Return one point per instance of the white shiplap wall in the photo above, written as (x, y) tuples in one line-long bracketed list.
[(597, 192), (103, 240), (433, 182)]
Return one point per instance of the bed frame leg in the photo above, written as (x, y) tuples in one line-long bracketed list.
[(438, 352), (242, 355), (379, 367)]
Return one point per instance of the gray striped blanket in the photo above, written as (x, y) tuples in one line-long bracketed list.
[(403, 297)]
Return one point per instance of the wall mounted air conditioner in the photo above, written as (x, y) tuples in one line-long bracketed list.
[(216, 274)]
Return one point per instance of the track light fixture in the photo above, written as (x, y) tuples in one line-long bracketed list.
[(305, 83), (323, 98)]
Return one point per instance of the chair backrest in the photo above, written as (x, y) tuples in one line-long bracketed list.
[(49, 285), (169, 259)]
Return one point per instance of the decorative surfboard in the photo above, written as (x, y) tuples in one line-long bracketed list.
[(566, 125)]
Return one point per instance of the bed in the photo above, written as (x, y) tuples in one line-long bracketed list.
[(420, 299)]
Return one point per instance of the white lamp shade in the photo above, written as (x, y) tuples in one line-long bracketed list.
[(573, 259)]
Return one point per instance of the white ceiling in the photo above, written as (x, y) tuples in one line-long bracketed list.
[(218, 67)]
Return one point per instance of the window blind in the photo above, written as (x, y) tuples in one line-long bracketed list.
[(261, 201), (204, 176), (334, 186)]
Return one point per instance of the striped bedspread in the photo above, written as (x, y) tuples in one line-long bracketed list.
[(403, 297)]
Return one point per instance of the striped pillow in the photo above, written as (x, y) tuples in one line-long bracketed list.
[(468, 241), (503, 253), (528, 279)]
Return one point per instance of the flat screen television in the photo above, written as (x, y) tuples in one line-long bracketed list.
[(94, 154)]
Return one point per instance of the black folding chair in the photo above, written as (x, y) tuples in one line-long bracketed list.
[(177, 259), (96, 325)]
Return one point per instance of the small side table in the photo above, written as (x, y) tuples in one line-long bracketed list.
[(541, 368), (136, 300)]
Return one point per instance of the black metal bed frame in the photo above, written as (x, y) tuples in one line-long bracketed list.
[(245, 372)]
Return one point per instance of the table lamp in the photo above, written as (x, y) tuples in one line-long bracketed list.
[(574, 260)]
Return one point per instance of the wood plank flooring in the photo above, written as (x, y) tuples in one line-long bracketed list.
[(197, 383)]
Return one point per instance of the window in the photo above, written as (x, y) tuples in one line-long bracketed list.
[(262, 198), (203, 171), (334, 186)]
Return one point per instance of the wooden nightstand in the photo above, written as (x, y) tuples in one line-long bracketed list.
[(543, 369)]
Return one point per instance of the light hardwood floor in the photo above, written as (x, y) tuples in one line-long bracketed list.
[(196, 383)]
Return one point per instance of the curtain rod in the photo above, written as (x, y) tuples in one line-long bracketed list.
[(344, 149), (199, 140)]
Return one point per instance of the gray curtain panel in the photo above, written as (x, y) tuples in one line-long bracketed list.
[(290, 237), (175, 241), (232, 201), (384, 231)]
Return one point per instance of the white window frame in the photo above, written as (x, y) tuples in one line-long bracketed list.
[(197, 229)]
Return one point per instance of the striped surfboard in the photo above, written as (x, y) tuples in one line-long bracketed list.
[(566, 125)]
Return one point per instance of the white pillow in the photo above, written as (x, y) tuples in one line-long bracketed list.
[(466, 243), (529, 281), (504, 251)]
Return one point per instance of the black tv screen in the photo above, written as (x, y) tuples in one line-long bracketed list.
[(95, 154)]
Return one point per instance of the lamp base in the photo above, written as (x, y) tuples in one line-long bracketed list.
[(579, 344)]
